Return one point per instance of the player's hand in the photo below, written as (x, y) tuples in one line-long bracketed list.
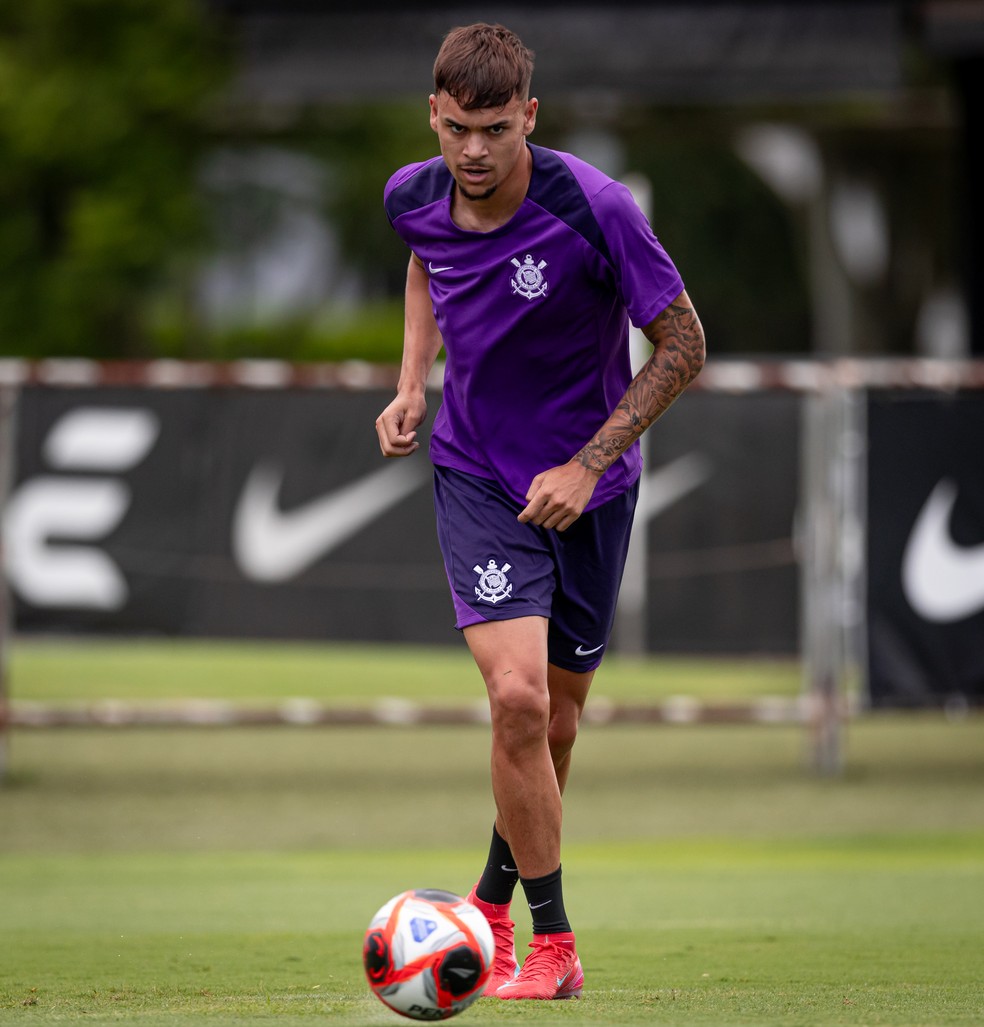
[(396, 426), (557, 497)]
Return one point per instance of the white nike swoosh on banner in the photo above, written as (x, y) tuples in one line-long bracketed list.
[(272, 545), (661, 488), (942, 581)]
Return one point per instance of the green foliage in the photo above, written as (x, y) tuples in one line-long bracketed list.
[(373, 333), (100, 131), (103, 131), (356, 147), (364, 146), (108, 107)]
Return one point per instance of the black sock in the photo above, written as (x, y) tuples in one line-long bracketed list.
[(500, 876), (545, 896)]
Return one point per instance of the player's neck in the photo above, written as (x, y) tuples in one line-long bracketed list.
[(492, 212)]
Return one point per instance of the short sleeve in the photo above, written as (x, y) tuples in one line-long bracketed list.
[(646, 277)]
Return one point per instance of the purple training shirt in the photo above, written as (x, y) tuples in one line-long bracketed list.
[(534, 316)]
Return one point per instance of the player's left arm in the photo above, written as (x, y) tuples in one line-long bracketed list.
[(557, 497)]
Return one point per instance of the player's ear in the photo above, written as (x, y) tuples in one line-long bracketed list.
[(529, 115), (432, 102)]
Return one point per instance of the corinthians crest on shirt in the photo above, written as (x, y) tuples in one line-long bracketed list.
[(493, 585), (528, 280)]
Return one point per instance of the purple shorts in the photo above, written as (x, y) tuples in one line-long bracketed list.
[(500, 569)]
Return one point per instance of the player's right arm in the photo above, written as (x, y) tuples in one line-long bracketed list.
[(396, 425)]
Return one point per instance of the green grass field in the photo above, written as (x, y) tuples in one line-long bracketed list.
[(225, 876), (77, 671)]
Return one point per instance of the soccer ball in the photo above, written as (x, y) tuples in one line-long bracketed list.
[(428, 953)]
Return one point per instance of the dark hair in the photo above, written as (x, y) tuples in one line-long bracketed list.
[(483, 66)]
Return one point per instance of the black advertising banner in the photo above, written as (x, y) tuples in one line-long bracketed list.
[(100, 529), (211, 512), (270, 513), (722, 571), (925, 548)]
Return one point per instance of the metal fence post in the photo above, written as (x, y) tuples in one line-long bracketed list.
[(831, 551)]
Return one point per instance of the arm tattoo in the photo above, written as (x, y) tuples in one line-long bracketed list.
[(678, 357)]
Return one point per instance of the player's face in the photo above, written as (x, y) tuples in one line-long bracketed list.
[(484, 149)]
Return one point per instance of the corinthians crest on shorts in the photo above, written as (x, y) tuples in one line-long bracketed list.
[(493, 585), (528, 279)]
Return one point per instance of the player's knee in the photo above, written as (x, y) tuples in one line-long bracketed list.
[(520, 711)]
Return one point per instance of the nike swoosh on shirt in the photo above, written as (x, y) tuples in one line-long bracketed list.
[(272, 545), (436, 270), (942, 581), (581, 651)]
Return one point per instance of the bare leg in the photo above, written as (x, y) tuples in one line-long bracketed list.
[(568, 693), (512, 657)]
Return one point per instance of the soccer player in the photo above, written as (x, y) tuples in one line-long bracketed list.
[(527, 265)]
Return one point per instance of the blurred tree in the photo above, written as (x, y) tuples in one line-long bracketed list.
[(735, 244), (101, 107), (364, 146)]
